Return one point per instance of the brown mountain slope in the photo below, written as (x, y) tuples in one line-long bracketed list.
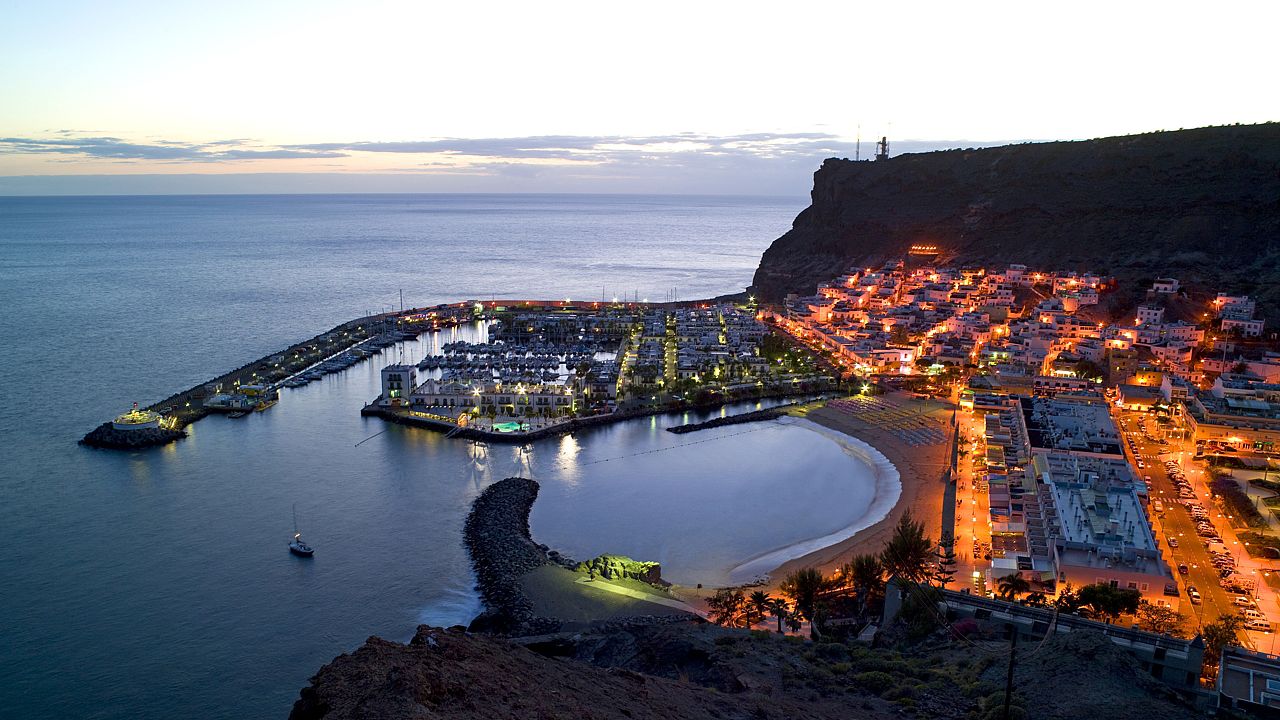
[(1202, 205), (694, 670)]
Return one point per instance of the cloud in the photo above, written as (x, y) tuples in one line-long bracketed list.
[(113, 148), (491, 152), (575, 147), (684, 163)]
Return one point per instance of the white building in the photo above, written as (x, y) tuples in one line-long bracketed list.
[(1247, 327), (1150, 315), (398, 381)]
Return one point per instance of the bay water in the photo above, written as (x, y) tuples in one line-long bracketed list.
[(157, 584)]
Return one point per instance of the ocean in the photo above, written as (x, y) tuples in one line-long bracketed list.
[(157, 584)]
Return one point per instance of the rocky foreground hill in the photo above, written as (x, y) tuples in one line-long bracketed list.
[(1202, 205), (518, 662), (699, 671)]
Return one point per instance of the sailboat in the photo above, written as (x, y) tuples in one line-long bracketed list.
[(297, 546)]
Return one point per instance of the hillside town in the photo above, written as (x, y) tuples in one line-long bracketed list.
[(1102, 435)]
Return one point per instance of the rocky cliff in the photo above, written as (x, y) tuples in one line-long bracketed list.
[(1202, 205)]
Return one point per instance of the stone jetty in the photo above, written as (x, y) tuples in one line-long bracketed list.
[(497, 538), (753, 416), (107, 436)]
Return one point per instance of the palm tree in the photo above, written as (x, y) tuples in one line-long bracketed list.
[(778, 608), (758, 605), (803, 587), (1011, 586), (909, 553), (865, 573)]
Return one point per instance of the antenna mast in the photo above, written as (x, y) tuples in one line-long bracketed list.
[(882, 148)]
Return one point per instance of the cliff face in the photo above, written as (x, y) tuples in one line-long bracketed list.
[(1202, 205)]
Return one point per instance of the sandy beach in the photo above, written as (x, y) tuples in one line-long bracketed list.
[(920, 470)]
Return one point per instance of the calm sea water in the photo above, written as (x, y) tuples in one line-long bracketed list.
[(157, 584)]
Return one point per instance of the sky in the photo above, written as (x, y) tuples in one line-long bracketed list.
[(687, 97)]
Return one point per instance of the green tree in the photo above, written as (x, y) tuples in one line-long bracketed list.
[(1158, 618), (1011, 586), (758, 606), (726, 606), (945, 559), (803, 587), (909, 552), (1068, 601), (1218, 635), (1087, 370), (1109, 602)]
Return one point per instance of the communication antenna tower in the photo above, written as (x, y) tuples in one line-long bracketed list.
[(882, 148)]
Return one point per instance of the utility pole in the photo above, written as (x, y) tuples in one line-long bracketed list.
[(1008, 683)]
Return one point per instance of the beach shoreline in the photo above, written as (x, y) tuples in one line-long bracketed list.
[(888, 491), (921, 477)]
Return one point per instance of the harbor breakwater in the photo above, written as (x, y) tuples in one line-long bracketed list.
[(502, 551), (748, 417), (497, 538), (183, 408)]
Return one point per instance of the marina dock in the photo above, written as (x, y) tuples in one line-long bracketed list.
[(255, 385)]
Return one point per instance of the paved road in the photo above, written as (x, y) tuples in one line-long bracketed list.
[(1177, 523)]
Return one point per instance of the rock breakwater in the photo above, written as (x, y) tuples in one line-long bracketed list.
[(748, 417), (107, 436), (497, 538)]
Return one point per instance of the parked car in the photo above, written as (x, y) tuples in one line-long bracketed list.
[(1173, 542), (1194, 595), (1182, 569)]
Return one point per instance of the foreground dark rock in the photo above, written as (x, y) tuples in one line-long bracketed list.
[(697, 671), (1200, 205), (107, 436)]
